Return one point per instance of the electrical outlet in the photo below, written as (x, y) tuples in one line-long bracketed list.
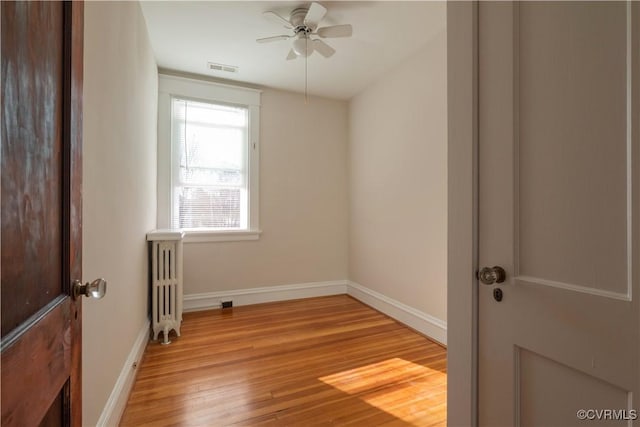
[(227, 304)]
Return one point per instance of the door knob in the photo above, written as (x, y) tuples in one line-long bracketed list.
[(95, 289), (491, 275)]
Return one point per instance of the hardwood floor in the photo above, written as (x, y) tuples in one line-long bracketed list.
[(318, 361)]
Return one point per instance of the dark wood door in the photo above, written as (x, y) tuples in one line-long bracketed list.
[(41, 233)]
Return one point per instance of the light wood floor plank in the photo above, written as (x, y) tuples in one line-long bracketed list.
[(312, 362)]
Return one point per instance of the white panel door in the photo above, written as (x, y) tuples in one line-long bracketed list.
[(559, 193)]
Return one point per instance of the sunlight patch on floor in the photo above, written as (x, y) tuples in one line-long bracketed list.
[(389, 385)]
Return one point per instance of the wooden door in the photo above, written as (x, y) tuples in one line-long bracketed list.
[(41, 237), (559, 193)]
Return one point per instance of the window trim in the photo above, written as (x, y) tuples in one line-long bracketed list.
[(201, 90)]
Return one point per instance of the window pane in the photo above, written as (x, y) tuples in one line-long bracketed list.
[(213, 147), (215, 114), (209, 207), (212, 155), (211, 144)]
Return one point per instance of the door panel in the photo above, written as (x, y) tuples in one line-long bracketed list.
[(52, 361), (559, 196), (574, 388), (572, 143), (31, 190), (41, 131)]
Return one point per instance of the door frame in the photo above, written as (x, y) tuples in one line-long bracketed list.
[(462, 194)]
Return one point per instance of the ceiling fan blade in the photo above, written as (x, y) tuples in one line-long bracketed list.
[(324, 49), (314, 15), (274, 17), (291, 55), (335, 31), (272, 39)]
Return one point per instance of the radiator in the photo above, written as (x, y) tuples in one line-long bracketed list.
[(166, 283)]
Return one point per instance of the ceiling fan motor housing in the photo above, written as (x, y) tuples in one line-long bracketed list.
[(302, 45), (297, 18)]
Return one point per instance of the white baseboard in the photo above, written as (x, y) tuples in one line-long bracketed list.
[(430, 326), (209, 300), (117, 401)]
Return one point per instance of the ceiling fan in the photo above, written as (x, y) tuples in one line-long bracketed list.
[(304, 23)]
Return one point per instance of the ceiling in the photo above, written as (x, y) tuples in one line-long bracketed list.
[(187, 35)]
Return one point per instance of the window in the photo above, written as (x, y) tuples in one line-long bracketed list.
[(207, 158), (210, 165)]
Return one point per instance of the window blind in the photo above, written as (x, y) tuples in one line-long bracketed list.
[(210, 146)]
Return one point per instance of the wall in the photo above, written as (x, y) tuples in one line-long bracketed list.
[(119, 204), (303, 203), (398, 182)]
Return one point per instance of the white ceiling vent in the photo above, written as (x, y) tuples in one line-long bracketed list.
[(221, 67)]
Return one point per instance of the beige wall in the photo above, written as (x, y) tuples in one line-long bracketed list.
[(303, 203), (398, 182), (119, 203)]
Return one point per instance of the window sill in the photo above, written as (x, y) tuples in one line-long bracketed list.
[(206, 236)]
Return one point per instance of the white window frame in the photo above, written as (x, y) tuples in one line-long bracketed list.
[(180, 87)]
